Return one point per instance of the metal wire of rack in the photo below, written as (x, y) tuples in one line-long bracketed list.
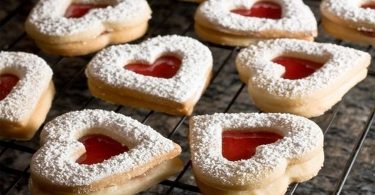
[(169, 17)]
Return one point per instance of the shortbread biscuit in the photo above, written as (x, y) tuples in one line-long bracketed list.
[(108, 22), (288, 149), (110, 79), (72, 161), (350, 20), (225, 22), (310, 95), (29, 90)]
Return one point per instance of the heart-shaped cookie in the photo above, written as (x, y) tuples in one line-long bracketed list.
[(300, 77), (139, 156), (109, 80), (68, 27), (26, 93), (241, 22), (351, 20), (290, 150)]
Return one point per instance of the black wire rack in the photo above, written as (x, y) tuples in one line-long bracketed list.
[(224, 94)]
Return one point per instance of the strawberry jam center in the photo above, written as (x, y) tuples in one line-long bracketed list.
[(296, 68), (76, 10), (368, 33), (7, 82), (368, 5), (241, 145), (263, 9), (163, 67), (99, 148), (364, 32)]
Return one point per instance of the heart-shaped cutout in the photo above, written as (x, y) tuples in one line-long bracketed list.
[(99, 148), (7, 82), (77, 10), (163, 67), (296, 68), (242, 144), (262, 9)]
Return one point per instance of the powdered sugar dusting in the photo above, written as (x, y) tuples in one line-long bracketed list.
[(264, 74), (108, 67), (48, 16), (350, 10), (55, 160), (296, 17), (301, 137), (34, 77)]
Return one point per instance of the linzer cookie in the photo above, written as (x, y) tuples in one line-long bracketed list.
[(253, 153), (72, 28), (300, 77), (26, 93), (241, 22), (101, 152), (167, 74), (351, 20)]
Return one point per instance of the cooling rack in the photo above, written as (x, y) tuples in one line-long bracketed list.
[(349, 141)]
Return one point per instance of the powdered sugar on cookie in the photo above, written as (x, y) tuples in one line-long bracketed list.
[(301, 137), (34, 78), (108, 67), (296, 17), (256, 60), (55, 161)]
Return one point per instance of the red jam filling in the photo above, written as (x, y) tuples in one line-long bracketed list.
[(164, 67), (241, 145), (263, 9), (76, 10), (364, 32), (368, 33), (7, 82), (296, 68), (368, 5), (99, 148)]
